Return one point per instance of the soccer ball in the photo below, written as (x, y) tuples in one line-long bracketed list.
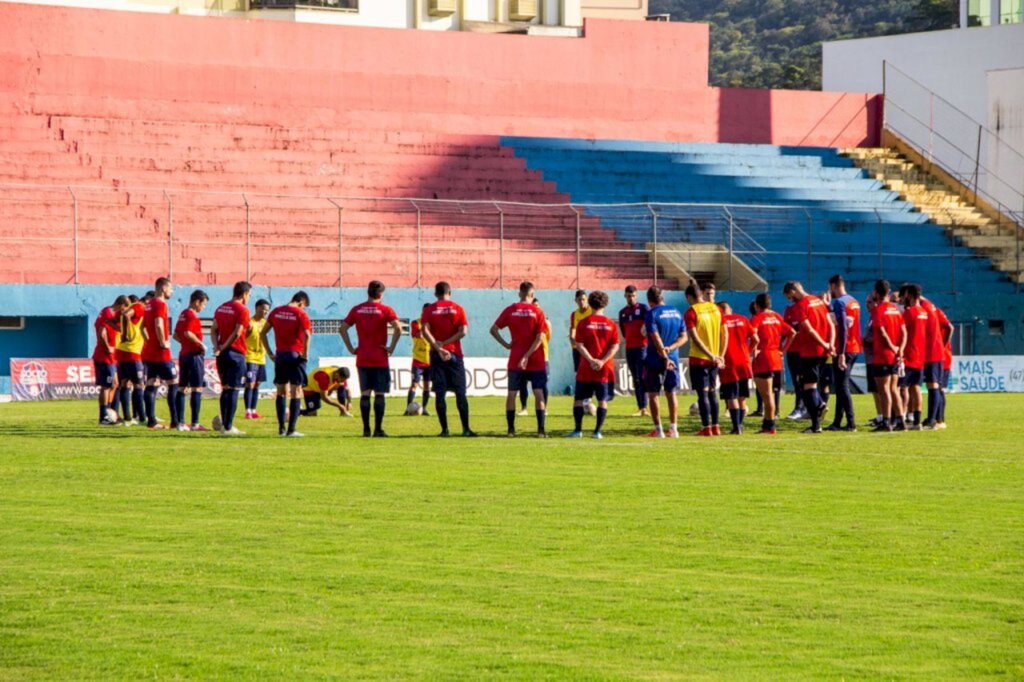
[(694, 410), (591, 409), (217, 424), (111, 415), (413, 409)]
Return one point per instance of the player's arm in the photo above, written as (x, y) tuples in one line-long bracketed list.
[(239, 329), (609, 354), (496, 334), (947, 330), (572, 333), (214, 338), (697, 341), (806, 328), (265, 339), (839, 317), (308, 334), (459, 334), (904, 337), (885, 337), (190, 335), (537, 342), (723, 344), (326, 397), (396, 334), (343, 331), (679, 342), (161, 334)]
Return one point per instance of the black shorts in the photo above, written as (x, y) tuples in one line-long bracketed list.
[(255, 373), (106, 373), (375, 379), (131, 370), (776, 377), (933, 372), (517, 378), (447, 376), (870, 373), (882, 371), (343, 396), (911, 377), (164, 370), (810, 370), (193, 370), (231, 369), (585, 390), (735, 390), (827, 374), (312, 401), (289, 368), (703, 377)]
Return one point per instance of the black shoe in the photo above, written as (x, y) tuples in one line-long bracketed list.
[(850, 428), (367, 433), (902, 426), (380, 434), (811, 429), (425, 413), (468, 433), (281, 431), (444, 433), (756, 413), (882, 428), (834, 427)]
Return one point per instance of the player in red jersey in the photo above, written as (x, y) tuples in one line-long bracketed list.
[(938, 336), (526, 324), (188, 331), (889, 336), (849, 345), (156, 355), (227, 336), (292, 333), (104, 359), (819, 337), (737, 372), (372, 320), (597, 341), (444, 325), (916, 319), (793, 363), (632, 319), (773, 335)]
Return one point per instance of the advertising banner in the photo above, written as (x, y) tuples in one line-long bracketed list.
[(72, 379), (988, 374)]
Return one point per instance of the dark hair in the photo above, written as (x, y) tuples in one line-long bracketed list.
[(790, 287), (536, 301), (345, 372), (241, 289), (132, 298), (597, 300), (148, 295), (580, 292), (198, 295), (722, 305), (525, 287), (692, 291), (707, 284), (425, 306), (121, 300), (913, 290), (264, 301), (299, 297), (763, 301), (836, 280), (882, 287), (654, 294), (375, 289), (160, 283), (630, 289), (442, 288), (752, 308)]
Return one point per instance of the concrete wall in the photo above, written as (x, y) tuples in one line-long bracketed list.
[(1006, 119), (614, 9)]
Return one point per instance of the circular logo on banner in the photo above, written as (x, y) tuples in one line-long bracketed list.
[(33, 377)]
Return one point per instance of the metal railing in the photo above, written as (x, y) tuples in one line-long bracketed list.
[(104, 235)]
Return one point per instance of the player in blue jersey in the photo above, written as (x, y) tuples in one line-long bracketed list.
[(666, 335)]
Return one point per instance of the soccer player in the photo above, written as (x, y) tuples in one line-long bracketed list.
[(128, 353), (371, 321), (292, 333), (444, 325), (104, 359), (889, 338), (581, 313), (420, 363), (938, 336), (846, 311), (597, 340), (255, 359), (917, 321), (526, 325), (632, 319), (793, 364), (708, 344), (819, 338), (773, 335), (156, 354), (737, 371), (665, 336), (759, 410), (227, 336), (188, 331), (322, 382), (524, 387)]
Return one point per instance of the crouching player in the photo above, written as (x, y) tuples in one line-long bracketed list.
[(322, 382), (188, 331), (292, 332), (737, 372), (597, 341)]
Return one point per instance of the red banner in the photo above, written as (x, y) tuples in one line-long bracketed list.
[(72, 379)]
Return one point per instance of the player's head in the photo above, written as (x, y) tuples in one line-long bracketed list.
[(836, 286), (240, 292), (763, 302), (442, 290), (375, 290), (148, 296), (197, 301), (911, 294), (631, 295), (424, 308), (262, 308), (526, 291), (345, 373), (120, 303), (752, 308), (707, 290), (132, 298), (299, 300), (692, 293), (597, 300), (724, 307), (655, 296), (163, 287), (793, 291), (882, 289), (581, 299), (536, 301)]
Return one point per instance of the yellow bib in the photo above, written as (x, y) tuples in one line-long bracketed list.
[(132, 341), (708, 330), (254, 351), (311, 385), (420, 348)]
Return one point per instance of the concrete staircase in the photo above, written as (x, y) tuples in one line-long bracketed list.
[(947, 203)]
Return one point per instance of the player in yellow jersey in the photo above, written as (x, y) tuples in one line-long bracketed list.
[(128, 353), (420, 367), (321, 383), (524, 389), (581, 313), (708, 342), (255, 358)]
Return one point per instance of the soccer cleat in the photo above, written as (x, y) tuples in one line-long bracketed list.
[(939, 426), (716, 430), (736, 431), (233, 431), (656, 433), (796, 414), (295, 434), (767, 431), (850, 428), (157, 427), (597, 435), (914, 427), (834, 427), (704, 433), (575, 434), (523, 412), (756, 413), (198, 427), (367, 433), (108, 422), (425, 413), (468, 433), (901, 426), (380, 434), (183, 428), (444, 433), (822, 411), (673, 432), (640, 413), (256, 415), (882, 428), (541, 434), (510, 434), (811, 429)]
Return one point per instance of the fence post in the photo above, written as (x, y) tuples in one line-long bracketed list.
[(654, 231), (501, 247), (248, 241), (419, 245), (731, 249), (977, 163), (952, 261), (810, 249), (170, 235), (881, 246), (74, 231), (340, 267)]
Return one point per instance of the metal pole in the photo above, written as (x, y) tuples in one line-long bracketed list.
[(654, 230), (952, 262), (810, 250), (170, 235), (419, 246), (731, 251), (577, 245), (931, 126), (340, 267), (74, 231), (248, 241), (881, 249), (977, 163), (501, 247)]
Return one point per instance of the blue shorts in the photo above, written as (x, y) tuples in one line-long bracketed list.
[(702, 377), (106, 373), (585, 390), (735, 390), (231, 368), (933, 372), (164, 370), (193, 370), (375, 379), (911, 377), (418, 373), (657, 377), (289, 368), (255, 373), (447, 376), (517, 378), (131, 370)]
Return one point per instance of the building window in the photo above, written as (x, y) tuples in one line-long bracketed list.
[(1011, 11), (979, 13), (996, 327), (11, 324), (326, 326)]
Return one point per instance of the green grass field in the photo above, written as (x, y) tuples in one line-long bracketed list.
[(128, 554)]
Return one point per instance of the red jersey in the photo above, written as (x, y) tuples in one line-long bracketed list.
[(371, 320), (106, 326), (791, 316), (444, 318), (631, 321), (291, 328), (851, 314), (156, 309), (888, 317), (938, 327), (737, 352), (525, 322), (771, 331), (916, 319), (597, 334), (188, 321), (228, 316), (813, 310)]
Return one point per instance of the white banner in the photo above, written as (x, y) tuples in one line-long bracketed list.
[(484, 376), (988, 374)]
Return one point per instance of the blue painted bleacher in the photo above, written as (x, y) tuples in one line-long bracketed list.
[(780, 198)]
